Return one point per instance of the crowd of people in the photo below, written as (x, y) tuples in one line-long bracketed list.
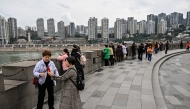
[(46, 71), (47, 74), (119, 53)]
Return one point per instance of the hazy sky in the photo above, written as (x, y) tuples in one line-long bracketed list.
[(27, 11)]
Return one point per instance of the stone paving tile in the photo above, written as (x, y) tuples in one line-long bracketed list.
[(128, 85), (103, 107), (116, 85), (97, 93)]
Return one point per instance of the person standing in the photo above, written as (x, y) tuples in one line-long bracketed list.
[(106, 52), (76, 53), (133, 48), (166, 47), (150, 51), (62, 58), (124, 50), (140, 51), (44, 80), (118, 53), (111, 55), (70, 97), (187, 46)]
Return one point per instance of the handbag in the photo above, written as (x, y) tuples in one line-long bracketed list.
[(35, 81)]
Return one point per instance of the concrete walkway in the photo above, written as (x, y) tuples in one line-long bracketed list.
[(127, 85), (175, 82)]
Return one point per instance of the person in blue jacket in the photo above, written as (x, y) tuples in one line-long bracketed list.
[(44, 80)]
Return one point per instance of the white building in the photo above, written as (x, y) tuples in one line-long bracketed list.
[(51, 27), (72, 29), (150, 27), (142, 27), (4, 31), (13, 27), (118, 28), (92, 28), (105, 29), (133, 26), (61, 29), (40, 27), (27, 28), (33, 28), (162, 27)]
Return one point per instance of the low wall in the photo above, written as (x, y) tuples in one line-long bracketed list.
[(18, 92)]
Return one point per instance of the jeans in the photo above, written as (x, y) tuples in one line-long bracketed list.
[(106, 62), (149, 57), (140, 55)]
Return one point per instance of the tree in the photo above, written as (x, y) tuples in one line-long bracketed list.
[(13, 40)]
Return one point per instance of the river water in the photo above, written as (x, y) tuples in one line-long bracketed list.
[(6, 57)]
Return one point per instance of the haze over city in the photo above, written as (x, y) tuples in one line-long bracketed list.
[(79, 11)]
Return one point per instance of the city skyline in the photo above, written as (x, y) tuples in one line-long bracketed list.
[(79, 12)]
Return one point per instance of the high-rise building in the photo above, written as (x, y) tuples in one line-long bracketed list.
[(92, 28), (99, 29), (72, 29), (142, 27), (128, 23), (78, 29), (51, 27), (188, 18), (176, 19), (27, 28), (118, 28), (133, 26), (4, 31), (13, 28), (162, 27), (168, 19), (82, 29), (161, 16), (40, 28), (154, 18), (61, 29), (151, 27), (33, 28), (105, 29), (21, 32)]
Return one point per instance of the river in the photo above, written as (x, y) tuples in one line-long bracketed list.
[(6, 57)]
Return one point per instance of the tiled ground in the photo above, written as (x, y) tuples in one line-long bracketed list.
[(175, 81), (128, 85)]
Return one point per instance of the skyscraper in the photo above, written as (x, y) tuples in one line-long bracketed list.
[(72, 29), (51, 27), (151, 27), (61, 29), (4, 31), (133, 26), (161, 16), (92, 28), (13, 27), (118, 28), (128, 23), (142, 27), (162, 26), (154, 18), (105, 29), (176, 19), (40, 27), (188, 18)]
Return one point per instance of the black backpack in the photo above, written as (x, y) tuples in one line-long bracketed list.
[(80, 83)]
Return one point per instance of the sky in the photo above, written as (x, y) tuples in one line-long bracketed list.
[(79, 11)]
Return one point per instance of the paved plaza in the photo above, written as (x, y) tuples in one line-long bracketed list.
[(128, 85)]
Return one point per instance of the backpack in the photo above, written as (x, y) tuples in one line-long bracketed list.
[(82, 59), (80, 83)]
